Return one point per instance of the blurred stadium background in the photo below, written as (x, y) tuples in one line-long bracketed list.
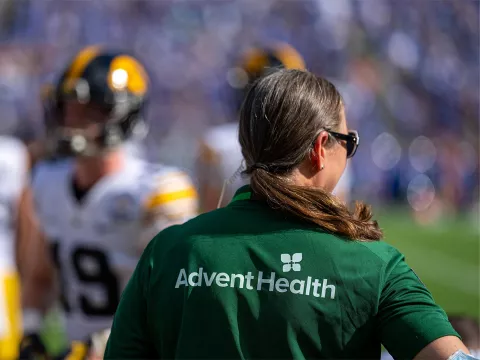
[(408, 69)]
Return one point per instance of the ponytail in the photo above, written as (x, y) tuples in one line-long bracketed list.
[(315, 205), (280, 119)]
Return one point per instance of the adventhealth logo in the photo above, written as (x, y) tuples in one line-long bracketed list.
[(291, 262), (262, 282)]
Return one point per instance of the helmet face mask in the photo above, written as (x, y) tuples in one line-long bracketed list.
[(80, 129), (96, 105), (89, 129)]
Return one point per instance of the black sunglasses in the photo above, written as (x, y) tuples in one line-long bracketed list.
[(351, 139)]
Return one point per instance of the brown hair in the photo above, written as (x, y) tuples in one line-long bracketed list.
[(280, 118)]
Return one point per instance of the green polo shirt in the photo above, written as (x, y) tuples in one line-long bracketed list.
[(247, 281)]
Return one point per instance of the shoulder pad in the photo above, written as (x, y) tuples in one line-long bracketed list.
[(168, 185)]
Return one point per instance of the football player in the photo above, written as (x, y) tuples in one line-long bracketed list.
[(98, 207), (219, 161), (15, 199)]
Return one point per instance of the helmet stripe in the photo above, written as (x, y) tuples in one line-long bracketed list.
[(79, 64), (289, 57), (127, 73), (256, 60)]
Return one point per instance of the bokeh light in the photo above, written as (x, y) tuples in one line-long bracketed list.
[(403, 51), (422, 154), (375, 13), (237, 78), (386, 151), (420, 192)]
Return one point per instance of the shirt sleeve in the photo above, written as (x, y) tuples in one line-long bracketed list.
[(129, 338), (408, 317)]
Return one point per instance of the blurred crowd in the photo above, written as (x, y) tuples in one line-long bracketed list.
[(408, 71)]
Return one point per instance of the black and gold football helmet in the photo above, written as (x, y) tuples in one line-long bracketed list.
[(257, 61), (114, 82)]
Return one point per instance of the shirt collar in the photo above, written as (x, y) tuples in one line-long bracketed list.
[(243, 193)]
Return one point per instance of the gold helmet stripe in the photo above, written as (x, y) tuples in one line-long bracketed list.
[(127, 73), (289, 57), (256, 60), (79, 64)]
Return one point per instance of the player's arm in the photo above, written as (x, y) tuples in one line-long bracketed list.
[(35, 269), (209, 179), (31, 252), (172, 199), (33, 259), (36, 275)]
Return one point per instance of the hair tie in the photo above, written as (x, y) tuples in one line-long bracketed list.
[(257, 166)]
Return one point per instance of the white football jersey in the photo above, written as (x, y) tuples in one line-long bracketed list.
[(219, 159), (13, 177), (97, 241)]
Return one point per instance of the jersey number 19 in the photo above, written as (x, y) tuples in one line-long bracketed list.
[(102, 277)]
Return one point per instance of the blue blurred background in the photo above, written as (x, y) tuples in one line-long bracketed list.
[(409, 72)]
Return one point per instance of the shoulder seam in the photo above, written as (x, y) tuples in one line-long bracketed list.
[(370, 250)]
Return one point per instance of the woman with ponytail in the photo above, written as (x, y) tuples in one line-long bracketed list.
[(286, 270)]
